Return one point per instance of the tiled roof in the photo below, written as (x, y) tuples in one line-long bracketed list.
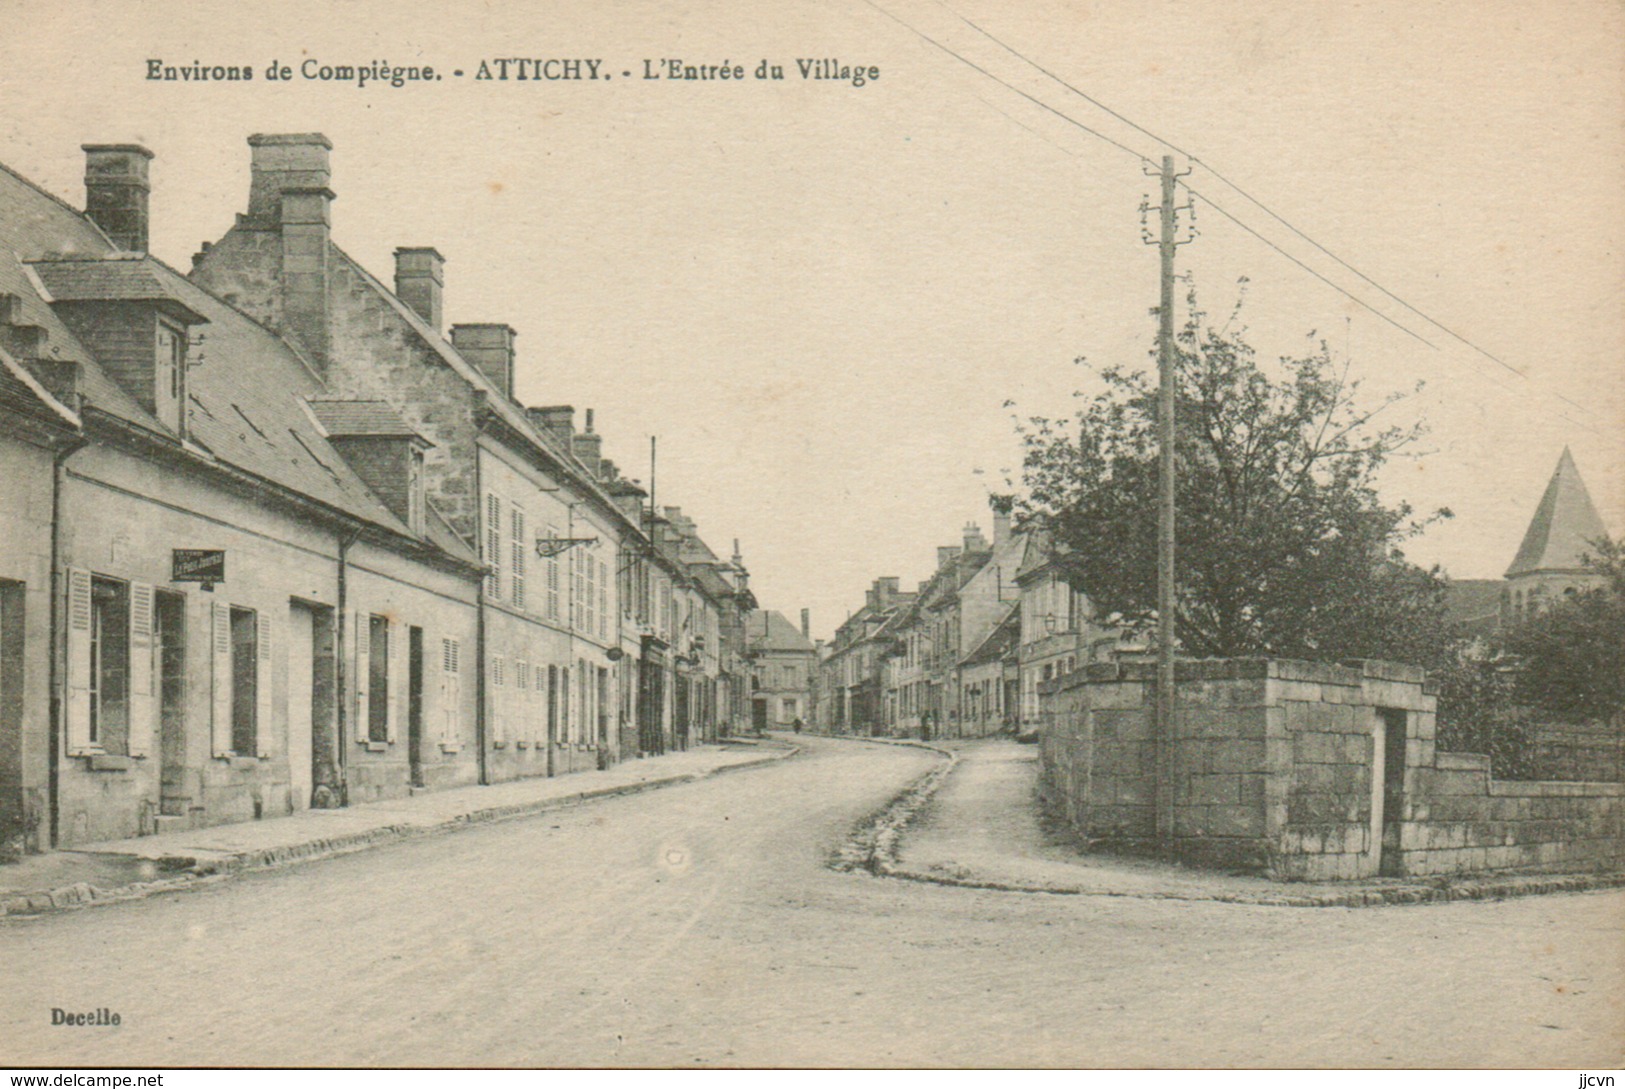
[(244, 409), (1564, 526), (768, 630), (358, 418), (124, 276)]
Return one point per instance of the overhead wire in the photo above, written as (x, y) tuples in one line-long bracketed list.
[(1222, 178)]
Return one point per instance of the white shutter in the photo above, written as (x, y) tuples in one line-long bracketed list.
[(220, 659), (450, 691), (499, 701), (397, 678), (363, 667), (493, 546), (521, 700), (262, 686), (516, 578), (79, 621), (142, 661)]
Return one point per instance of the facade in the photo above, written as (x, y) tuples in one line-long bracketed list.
[(782, 659), (237, 615), (854, 664), (276, 542)]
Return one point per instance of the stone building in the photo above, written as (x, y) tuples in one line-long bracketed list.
[(223, 607), (853, 667), (524, 482), (782, 659), (276, 541)]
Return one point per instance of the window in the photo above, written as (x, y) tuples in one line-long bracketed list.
[(378, 678), (169, 378), (516, 576), (244, 680), (109, 665)]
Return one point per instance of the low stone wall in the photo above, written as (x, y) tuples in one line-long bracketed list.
[(1456, 818), (1305, 770)]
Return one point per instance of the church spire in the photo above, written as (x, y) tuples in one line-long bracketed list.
[(1563, 528)]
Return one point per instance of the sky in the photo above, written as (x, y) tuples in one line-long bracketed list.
[(831, 302)]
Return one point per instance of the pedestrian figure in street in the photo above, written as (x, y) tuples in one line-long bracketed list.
[(796, 725)]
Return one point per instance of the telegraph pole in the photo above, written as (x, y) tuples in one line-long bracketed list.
[(1167, 387)]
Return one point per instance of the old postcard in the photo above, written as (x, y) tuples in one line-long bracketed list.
[(876, 533)]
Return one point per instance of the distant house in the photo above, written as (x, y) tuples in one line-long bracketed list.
[(782, 659)]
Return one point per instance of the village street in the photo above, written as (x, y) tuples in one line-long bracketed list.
[(700, 926)]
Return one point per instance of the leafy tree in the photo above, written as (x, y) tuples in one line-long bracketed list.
[(1284, 547), (1572, 656)]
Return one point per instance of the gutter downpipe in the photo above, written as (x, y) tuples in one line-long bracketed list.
[(58, 637), (341, 758), (480, 725)]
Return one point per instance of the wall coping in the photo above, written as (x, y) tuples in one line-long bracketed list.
[(1349, 674)]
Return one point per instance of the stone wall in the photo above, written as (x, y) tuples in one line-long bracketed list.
[(1304, 770)]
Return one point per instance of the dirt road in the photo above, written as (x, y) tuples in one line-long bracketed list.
[(699, 926)]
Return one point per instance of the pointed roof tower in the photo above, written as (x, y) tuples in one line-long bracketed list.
[(1564, 525)]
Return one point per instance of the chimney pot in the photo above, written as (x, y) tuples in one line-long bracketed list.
[(116, 191), (420, 279)]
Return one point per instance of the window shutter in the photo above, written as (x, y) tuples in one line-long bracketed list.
[(516, 577), (521, 700), (450, 691), (396, 646), (262, 688), (362, 675), (499, 702), (220, 657), (603, 599), (142, 704), (493, 546), (78, 661)]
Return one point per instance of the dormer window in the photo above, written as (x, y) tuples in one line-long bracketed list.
[(384, 452), (130, 312)]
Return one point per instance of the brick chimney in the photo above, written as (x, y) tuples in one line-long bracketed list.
[(974, 541), (556, 420), (806, 623), (288, 192), (588, 447), (419, 280), (116, 189), (489, 347)]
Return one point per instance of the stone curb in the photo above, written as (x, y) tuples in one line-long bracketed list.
[(200, 870), (874, 846)]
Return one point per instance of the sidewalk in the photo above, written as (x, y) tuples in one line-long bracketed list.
[(126, 869), (981, 828)]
